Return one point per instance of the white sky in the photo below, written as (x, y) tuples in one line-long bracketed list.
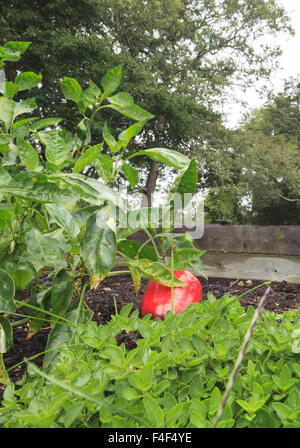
[(289, 65)]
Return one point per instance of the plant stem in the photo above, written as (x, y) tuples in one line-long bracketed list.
[(20, 322), (172, 285), (116, 273), (240, 357), (153, 243), (43, 311)]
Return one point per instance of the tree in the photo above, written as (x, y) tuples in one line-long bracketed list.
[(277, 126), (178, 56), (254, 174)]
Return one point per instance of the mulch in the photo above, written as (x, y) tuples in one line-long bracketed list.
[(119, 291)]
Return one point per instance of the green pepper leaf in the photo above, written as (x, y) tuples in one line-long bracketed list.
[(7, 293)]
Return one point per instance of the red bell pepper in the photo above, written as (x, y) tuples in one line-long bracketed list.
[(157, 299)]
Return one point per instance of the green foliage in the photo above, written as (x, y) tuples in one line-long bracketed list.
[(54, 217), (174, 378), (178, 57)]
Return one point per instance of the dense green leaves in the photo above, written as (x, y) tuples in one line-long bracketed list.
[(58, 219), (174, 378)]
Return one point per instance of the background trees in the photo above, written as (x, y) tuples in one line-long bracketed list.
[(179, 58), (257, 178)]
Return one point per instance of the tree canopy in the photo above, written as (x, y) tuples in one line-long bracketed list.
[(179, 57)]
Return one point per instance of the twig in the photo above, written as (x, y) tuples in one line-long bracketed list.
[(240, 357)]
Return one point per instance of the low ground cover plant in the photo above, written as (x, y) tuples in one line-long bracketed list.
[(174, 378)]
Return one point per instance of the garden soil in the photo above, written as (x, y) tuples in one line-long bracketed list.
[(119, 291)]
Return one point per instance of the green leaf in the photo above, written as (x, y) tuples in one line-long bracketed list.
[(5, 138), (6, 335), (83, 131), (46, 250), (130, 248), (187, 179), (98, 245), (83, 213), (87, 188), (215, 400), (197, 420), (109, 139), (6, 112), (296, 368), (5, 177), (92, 92), (121, 99), (71, 89), (7, 293), (62, 292), (56, 148), (16, 47), (253, 405), (104, 166), (131, 174), (35, 186), (111, 81), (198, 268), (44, 123), (132, 111), (89, 155), (167, 156), (283, 411), (25, 107), (174, 414), (8, 89), (155, 271), (136, 279), (27, 80), (153, 411), (183, 257), (64, 219), (22, 123), (130, 394), (88, 97), (21, 273), (5, 218), (132, 131), (28, 155), (60, 335)]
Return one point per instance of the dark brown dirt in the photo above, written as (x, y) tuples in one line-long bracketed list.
[(120, 291)]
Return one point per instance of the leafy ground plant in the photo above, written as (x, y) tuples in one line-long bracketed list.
[(174, 378), (54, 217)]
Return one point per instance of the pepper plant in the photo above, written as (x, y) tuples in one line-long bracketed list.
[(56, 219)]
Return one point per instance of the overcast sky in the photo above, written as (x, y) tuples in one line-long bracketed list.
[(289, 63)]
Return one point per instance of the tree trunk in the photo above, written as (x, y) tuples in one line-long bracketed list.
[(151, 181)]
